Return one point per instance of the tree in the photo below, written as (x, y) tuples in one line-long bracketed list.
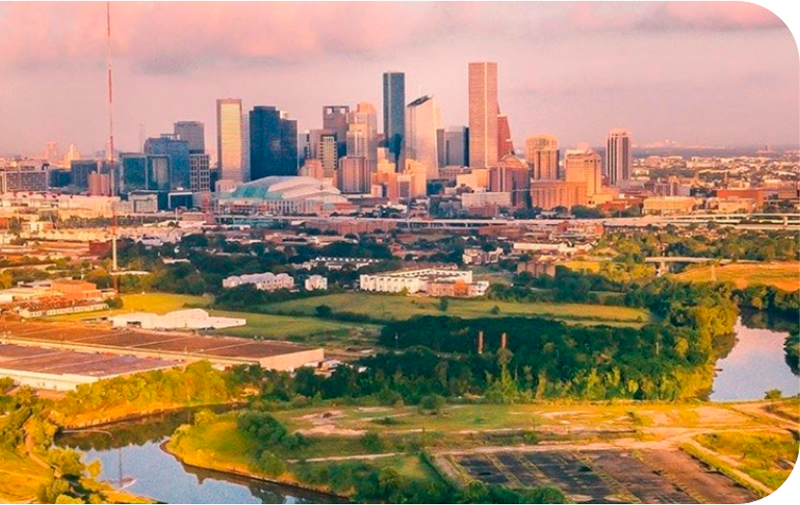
[(443, 304), (323, 311), (773, 394)]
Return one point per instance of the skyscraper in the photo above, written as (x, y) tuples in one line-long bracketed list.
[(199, 173), (511, 175), (334, 118), (420, 139), (193, 132), (322, 145), (362, 133), (619, 157), (273, 143), (354, 175), (453, 146), (229, 139), (541, 153), (504, 143), (177, 153), (134, 172), (483, 114), (394, 100)]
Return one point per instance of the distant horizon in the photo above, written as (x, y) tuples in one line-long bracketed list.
[(704, 75)]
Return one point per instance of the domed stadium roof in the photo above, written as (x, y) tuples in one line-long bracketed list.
[(287, 188)]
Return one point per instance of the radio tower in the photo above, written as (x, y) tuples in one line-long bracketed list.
[(112, 168)]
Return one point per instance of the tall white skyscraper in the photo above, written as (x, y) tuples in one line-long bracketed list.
[(483, 115), (619, 157), (422, 121), (230, 138)]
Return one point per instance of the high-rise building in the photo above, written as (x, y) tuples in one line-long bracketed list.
[(548, 195), (134, 172), (511, 175), (394, 102), (199, 173), (72, 155), (362, 133), (420, 139), (230, 139), (541, 153), (619, 157), (504, 143), (334, 118), (51, 153), (483, 114), (79, 171), (193, 132), (453, 146), (322, 145), (354, 175), (24, 178), (177, 153), (584, 165), (273, 143)]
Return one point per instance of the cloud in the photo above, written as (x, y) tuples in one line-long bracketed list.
[(179, 37)]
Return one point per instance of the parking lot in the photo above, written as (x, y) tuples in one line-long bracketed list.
[(607, 476)]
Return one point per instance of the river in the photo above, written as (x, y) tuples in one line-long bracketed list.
[(130, 452), (756, 363)]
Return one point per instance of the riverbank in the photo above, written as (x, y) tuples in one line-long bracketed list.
[(126, 416), (234, 469)]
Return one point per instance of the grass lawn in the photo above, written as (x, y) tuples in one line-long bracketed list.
[(782, 275), (218, 444), (767, 457), (397, 307), (297, 328), (20, 478)]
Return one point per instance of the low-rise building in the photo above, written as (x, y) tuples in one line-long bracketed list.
[(266, 281), (668, 205), (475, 256), (316, 283), (422, 281)]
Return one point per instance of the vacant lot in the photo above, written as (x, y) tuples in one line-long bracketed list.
[(397, 307), (782, 275)]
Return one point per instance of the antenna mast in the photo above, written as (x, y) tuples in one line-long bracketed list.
[(112, 172)]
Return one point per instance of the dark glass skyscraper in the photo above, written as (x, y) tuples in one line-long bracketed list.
[(273, 143), (394, 109), (176, 153), (194, 133)]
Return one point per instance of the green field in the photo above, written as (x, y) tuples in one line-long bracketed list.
[(160, 303), (782, 275), (397, 307), (767, 457), (298, 329)]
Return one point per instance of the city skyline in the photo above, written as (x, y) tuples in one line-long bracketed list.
[(649, 87)]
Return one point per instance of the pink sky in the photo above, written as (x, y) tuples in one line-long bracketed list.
[(715, 73)]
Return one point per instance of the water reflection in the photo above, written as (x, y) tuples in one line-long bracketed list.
[(131, 452), (757, 362)]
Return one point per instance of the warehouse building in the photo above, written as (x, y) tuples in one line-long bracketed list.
[(433, 281), (188, 319)]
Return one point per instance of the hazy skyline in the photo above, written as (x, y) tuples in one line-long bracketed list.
[(697, 73)]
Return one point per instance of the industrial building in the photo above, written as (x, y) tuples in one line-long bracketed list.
[(188, 319), (64, 370), (177, 346)]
